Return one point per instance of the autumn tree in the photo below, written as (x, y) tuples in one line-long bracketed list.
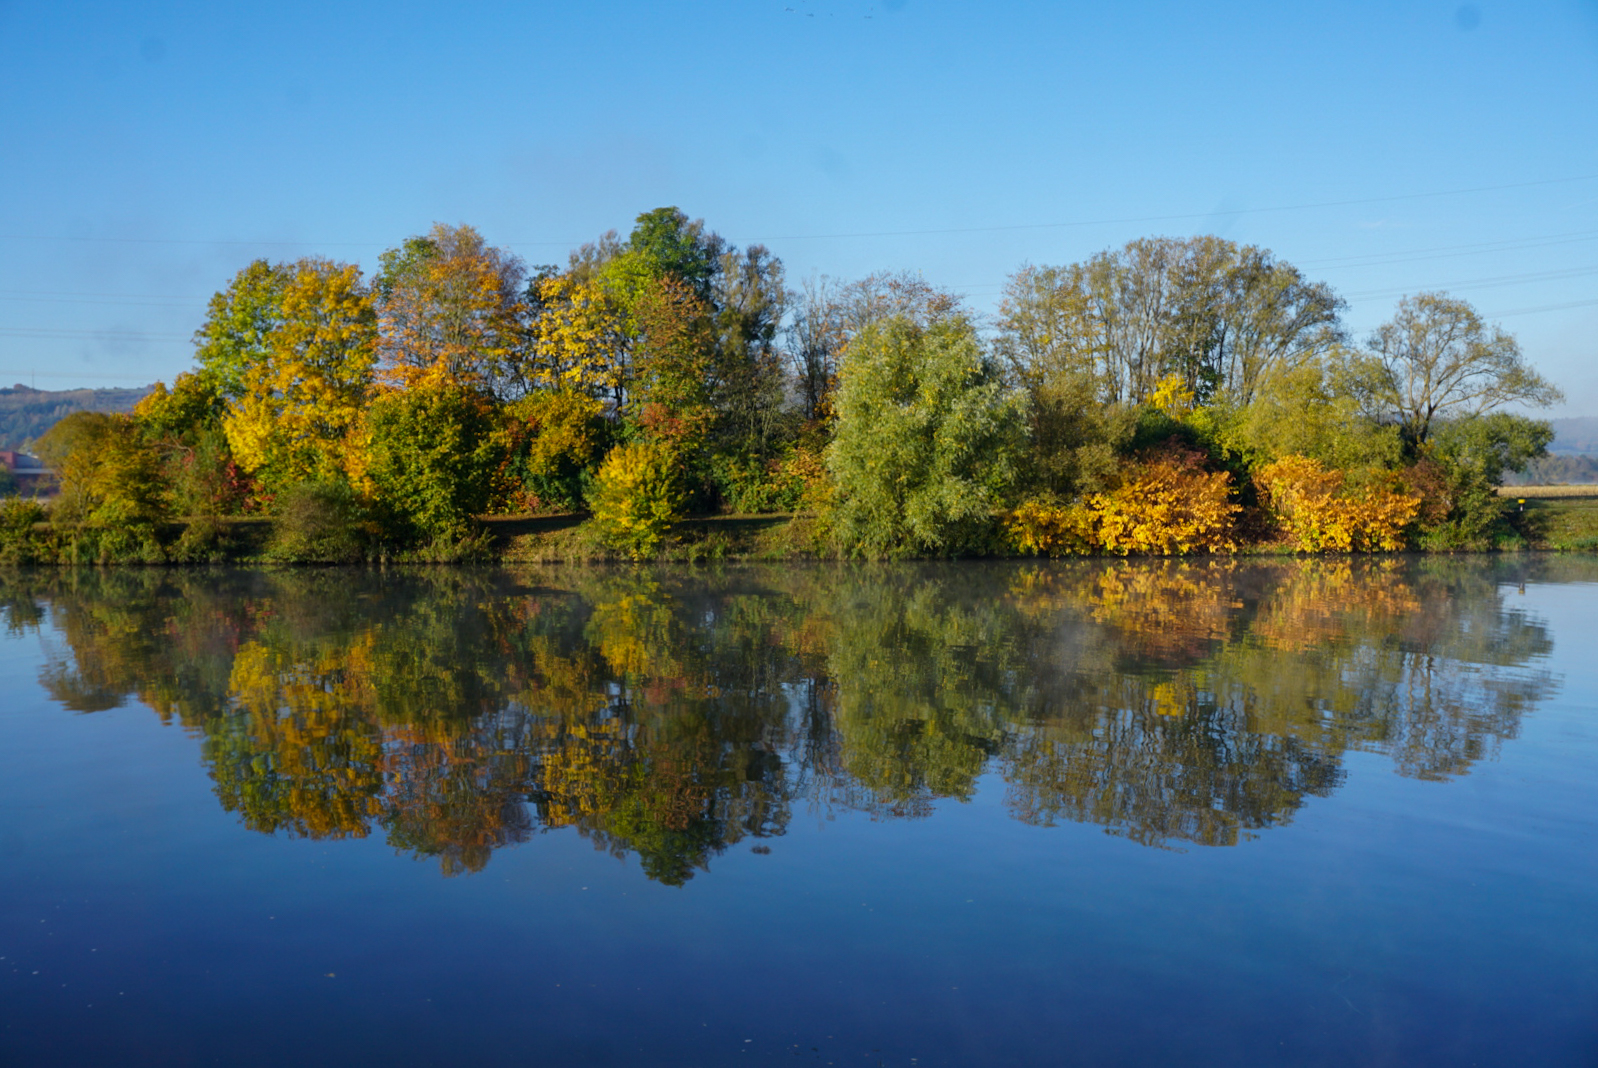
[(577, 339), (183, 424), (110, 476), (553, 441), (303, 399), (452, 311)]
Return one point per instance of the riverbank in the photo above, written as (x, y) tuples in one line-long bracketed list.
[(1559, 523)]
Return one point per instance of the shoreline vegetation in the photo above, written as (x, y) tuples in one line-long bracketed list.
[(1558, 522), (669, 396)]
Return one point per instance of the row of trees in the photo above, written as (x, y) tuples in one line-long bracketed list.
[(1167, 396)]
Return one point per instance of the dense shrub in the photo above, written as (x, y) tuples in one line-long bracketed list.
[(1319, 510), (928, 441), (320, 522), (20, 543), (110, 476), (638, 496), (1464, 462), (747, 484), (553, 440), (1168, 506), (432, 459)]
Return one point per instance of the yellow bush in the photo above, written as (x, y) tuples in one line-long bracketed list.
[(1037, 526), (1320, 511), (637, 496), (1165, 507)]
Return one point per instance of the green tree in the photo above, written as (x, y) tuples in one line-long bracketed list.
[(1467, 458), (239, 325), (432, 458), (928, 440), (1311, 408), (1437, 359)]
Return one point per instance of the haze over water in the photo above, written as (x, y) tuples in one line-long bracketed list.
[(1300, 812)]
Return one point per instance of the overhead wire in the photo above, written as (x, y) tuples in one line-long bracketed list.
[(1356, 202)]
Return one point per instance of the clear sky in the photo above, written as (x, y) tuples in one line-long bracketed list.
[(148, 151)]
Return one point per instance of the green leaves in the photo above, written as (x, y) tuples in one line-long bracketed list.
[(928, 440)]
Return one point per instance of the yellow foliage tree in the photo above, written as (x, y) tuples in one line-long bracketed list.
[(1173, 396), (577, 337), (1320, 511), (295, 417)]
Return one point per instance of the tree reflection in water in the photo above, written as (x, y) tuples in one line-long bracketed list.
[(671, 714)]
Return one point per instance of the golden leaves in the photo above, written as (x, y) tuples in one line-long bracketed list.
[(1320, 511), (577, 339), (1165, 507), (292, 421)]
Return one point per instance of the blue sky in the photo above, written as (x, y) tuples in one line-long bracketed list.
[(148, 151)]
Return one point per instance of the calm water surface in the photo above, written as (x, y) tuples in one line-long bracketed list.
[(1301, 813)]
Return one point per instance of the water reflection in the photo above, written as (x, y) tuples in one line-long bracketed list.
[(669, 715)]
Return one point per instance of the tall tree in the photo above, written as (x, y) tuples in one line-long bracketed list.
[(300, 402), (1436, 358), (747, 384), (814, 342), (453, 312), (1219, 316)]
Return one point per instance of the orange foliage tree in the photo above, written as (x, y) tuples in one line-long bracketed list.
[(452, 312)]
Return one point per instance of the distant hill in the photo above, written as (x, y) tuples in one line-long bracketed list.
[(1575, 435), (1557, 469), (26, 413)]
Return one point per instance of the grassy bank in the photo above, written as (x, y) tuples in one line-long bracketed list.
[(1566, 524), (1556, 523)]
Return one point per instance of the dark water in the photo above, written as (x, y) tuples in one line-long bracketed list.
[(1298, 813)]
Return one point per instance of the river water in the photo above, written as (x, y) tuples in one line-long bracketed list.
[(1298, 812)]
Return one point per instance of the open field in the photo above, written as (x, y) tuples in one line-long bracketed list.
[(1569, 523), (1548, 492)]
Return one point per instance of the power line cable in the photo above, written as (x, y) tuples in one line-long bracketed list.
[(1480, 283), (1190, 215), (874, 233), (45, 333)]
